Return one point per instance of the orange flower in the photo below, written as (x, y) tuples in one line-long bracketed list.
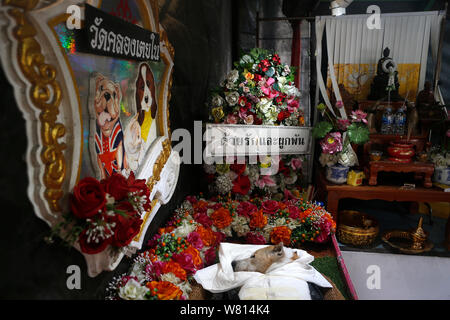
[(196, 258), (165, 290), (258, 220), (176, 269), (281, 234), (207, 235), (200, 205), (221, 218), (162, 231), (305, 213)]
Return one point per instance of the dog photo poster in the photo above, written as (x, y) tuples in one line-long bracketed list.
[(122, 120)]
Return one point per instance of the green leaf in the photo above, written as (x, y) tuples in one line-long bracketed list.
[(358, 134), (321, 129)]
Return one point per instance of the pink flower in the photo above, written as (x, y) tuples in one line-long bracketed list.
[(270, 206), (325, 232), (343, 124), (154, 269), (332, 143), (294, 212), (210, 256), (296, 163), (448, 133), (203, 219), (246, 209), (249, 119), (254, 238), (292, 105), (266, 88), (231, 119), (153, 241), (195, 240), (339, 104), (185, 261), (125, 279), (359, 116), (265, 181), (220, 236)]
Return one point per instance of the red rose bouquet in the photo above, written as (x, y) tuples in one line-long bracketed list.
[(104, 213)]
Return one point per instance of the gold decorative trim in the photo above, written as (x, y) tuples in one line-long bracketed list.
[(159, 164), (52, 23), (45, 94)]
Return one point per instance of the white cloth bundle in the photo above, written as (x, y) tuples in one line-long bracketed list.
[(284, 280)]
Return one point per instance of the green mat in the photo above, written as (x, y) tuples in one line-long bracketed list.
[(329, 267)]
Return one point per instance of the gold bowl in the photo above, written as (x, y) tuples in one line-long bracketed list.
[(356, 228)]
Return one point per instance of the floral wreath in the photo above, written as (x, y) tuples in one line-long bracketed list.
[(259, 90)]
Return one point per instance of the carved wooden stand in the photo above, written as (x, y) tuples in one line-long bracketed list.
[(333, 193), (421, 169)]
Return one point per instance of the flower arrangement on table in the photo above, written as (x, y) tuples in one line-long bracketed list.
[(337, 134), (104, 213), (257, 179), (191, 238), (259, 90)]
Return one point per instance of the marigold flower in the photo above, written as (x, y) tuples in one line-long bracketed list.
[(165, 290), (221, 218), (207, 235), (258, 220), (196, 258), (176, 269), (281, 234)]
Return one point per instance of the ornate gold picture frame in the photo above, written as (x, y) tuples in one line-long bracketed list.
[(53, 89)]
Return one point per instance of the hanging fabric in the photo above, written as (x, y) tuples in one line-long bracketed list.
[(354, 50)]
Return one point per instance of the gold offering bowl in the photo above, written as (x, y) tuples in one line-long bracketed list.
[(356, 228), (414, 241)]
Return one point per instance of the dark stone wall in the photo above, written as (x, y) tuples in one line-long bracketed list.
[(199, 30)]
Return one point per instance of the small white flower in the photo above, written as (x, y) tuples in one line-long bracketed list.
[(132, 291), (184, 230), (223, 184), (109, 199)]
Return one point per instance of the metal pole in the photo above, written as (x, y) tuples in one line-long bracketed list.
[(437, 71)]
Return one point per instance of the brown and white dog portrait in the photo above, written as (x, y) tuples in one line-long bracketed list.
[(133, 143), (260, 260), (108, 129), (146, 105)]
